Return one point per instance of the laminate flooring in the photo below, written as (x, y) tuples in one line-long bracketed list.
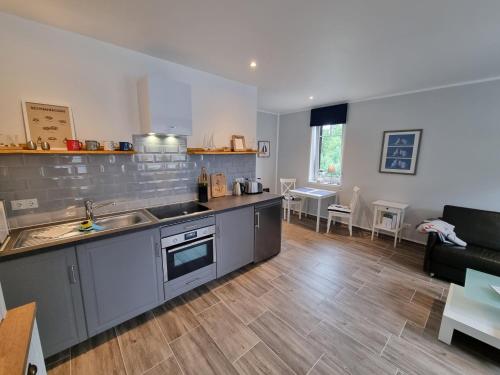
[(327, 304)]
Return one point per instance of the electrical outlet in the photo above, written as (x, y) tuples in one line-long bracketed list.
[(24, 204)]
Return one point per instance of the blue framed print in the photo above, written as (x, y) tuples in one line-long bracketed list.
[(400, 149)]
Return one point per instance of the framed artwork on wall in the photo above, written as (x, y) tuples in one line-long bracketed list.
[(400, 149), (52, 123), (264, 149), (238, 143)]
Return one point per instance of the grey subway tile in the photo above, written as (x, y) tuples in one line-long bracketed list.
[(7, 185), (57, 170), (162, 157), (11, 160), (41, 160), (23, 172), (144, 158)]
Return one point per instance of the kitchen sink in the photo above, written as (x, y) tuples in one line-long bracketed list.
[(122, 221), (51, 233)]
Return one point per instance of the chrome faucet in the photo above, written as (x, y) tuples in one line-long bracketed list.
[(90, 206)]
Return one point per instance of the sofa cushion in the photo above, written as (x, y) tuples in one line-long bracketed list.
[(476, 227), (478, 258)]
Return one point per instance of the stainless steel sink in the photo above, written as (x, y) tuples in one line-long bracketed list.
[(122, 221), (51, 233)]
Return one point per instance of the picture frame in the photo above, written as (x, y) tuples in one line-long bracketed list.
[(238, 143), (263, 149), (400, 151), (52, 123)]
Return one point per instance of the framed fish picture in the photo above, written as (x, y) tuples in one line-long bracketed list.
[(48, 123), (264, 149), (400, 149)]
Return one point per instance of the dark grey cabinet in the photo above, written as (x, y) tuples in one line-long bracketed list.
[(51, 280), (235, 239), (121, 278)]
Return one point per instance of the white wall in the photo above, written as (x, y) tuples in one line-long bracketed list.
[(459, 156), (267, 126), (99, 80)]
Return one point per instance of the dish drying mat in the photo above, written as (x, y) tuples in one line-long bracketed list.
[(54, 232)]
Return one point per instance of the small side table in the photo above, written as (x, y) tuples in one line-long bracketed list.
[(398, 209)]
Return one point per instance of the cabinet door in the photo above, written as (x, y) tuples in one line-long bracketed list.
[(120, 278), (51, 280), (267, 230), (235, 239)]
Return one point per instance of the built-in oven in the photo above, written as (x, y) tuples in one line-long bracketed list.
[(187, 252)]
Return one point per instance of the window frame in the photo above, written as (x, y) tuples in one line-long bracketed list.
[(315, 156)]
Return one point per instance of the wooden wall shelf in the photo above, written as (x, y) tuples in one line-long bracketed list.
[(15, 338), (200, 151), (63, 152)]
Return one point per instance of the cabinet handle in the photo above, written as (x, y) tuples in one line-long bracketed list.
[(32, 369), (258, 220), (157, 250), (72, 274), (192, 281)]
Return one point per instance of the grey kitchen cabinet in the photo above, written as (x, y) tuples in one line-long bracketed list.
[(51, 280), (121, 278), (234, 239)]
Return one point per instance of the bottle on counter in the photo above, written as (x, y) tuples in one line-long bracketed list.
[(203, 186)]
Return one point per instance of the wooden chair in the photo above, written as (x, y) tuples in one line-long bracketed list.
[(337, 210), (289, 201)]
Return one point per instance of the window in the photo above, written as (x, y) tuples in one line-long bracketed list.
[(326, 154)]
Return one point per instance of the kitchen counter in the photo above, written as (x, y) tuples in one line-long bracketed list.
[(9, 252), (230, 202), (215, 204)]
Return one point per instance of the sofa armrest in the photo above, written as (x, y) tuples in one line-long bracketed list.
[(432, 240)]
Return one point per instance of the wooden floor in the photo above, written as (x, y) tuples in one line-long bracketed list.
[(328, 304)]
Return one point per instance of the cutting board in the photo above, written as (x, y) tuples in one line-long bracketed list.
[(218, 185)]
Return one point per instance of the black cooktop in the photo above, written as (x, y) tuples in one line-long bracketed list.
[(177, 210)]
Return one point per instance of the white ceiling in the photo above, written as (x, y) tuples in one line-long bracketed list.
[(333, 49)]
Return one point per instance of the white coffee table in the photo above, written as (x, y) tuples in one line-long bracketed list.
[(473, 315)]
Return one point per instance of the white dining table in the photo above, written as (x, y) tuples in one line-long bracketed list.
[(313, 193)]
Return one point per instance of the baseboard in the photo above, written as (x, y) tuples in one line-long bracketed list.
[(368, 229), (391, 235)]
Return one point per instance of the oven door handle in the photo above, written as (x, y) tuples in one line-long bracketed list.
[(190, 244)]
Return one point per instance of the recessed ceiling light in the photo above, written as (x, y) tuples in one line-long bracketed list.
[(311, 97), (253, 64)]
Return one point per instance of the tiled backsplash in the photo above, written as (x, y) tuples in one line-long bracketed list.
[(160, 173)]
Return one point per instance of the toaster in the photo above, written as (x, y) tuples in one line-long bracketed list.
[(253, 187)]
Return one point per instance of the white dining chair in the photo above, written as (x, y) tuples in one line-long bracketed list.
[(289, 201), (337, 210)]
